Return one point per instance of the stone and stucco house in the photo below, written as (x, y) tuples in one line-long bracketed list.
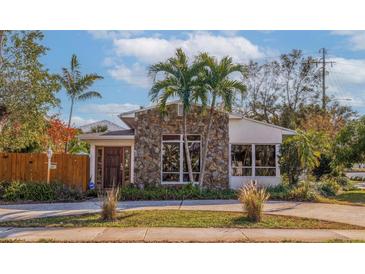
[(151, 151)]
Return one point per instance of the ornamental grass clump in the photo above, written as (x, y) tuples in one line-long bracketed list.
[(252, 198), (109, 201)]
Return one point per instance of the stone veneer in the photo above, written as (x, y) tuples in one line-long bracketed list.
[(147, 149)]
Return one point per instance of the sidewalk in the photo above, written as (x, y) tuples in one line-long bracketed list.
[(93, 234), (354, 215)]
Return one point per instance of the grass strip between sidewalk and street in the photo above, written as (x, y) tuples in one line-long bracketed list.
[(179, 218)]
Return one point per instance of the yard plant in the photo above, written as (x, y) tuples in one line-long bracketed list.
[(252, 198), (188, 191), (109, 204), (16, 191)]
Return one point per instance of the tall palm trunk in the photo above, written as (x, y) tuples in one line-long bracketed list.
[(187, 152), (2, 35), (206, 142), (69, 120)]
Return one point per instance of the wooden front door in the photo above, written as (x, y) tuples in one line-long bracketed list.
[(116, 166)]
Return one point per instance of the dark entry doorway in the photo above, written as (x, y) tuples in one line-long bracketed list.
[(117, 162)]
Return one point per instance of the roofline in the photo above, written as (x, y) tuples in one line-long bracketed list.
[(147, 108), (266, 124), (104, 120), (231, 114), (86, 137)]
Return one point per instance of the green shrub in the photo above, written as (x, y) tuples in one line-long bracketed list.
[(34, 191), (304, 191), (343, 181), (279, 192), (329, 187), (188, 191)]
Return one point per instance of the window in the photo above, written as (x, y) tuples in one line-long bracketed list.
[(241, 156), (253, 160), (174, 165), (265, 156)]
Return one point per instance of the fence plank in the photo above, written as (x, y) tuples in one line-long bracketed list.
[(72, 170)]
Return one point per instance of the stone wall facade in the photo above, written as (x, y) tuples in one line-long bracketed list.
[(151, 125)]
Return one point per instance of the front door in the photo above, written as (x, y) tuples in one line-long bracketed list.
[(116, 166)]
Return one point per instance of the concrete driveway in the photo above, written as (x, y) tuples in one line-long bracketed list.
[(330, 212)]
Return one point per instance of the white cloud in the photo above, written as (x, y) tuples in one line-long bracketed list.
[(152, 49), (114, 34), (134, 75), (356, 38), (108, 109), (346, 80), (351, 71), (143, 51)]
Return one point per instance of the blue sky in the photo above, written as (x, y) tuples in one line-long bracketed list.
[(122, 58)]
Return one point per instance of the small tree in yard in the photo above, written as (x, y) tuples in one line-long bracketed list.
[(58, 134), (349, 145), (253, 199), (179, 81), (77, 85), (217, 86), (300, 154)]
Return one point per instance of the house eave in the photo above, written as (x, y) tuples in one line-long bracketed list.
[(115, 137)]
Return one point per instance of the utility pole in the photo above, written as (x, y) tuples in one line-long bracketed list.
[(323, 62)]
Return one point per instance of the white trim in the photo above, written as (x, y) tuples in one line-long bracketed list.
[(181, 156), (109, 137), (253, 152)]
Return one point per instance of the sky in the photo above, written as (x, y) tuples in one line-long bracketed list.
[(122, 58)]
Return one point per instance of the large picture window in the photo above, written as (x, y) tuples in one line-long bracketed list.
[(253, 160), (174, 165)]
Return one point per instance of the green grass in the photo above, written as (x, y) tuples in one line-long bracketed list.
[(179, 218), (354, 196)]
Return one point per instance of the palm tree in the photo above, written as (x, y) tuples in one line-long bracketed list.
[(218, 86), (180, 81), (77, 85)]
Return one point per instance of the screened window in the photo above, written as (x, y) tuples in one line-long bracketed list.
[(241, 160), (174, 165), (265, 164), (253, 160)]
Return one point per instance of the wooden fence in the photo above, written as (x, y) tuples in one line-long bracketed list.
[(72, 170)]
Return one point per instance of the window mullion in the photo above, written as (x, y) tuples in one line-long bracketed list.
[(181, 160), (253, 154)]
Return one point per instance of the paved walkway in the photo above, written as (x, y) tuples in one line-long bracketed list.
[(94, 234), (330, 212)]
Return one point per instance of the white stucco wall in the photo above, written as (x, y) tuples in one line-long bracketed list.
[(110, 143), (244, 131)]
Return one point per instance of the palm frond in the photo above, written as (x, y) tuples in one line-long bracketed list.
[(89, 95)]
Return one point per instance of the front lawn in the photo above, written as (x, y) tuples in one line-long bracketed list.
[(354, 196), (179, 218)]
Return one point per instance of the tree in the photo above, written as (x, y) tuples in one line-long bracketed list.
[(59, 134), (99, 128), (179, 81), (349, 146), (218, 86), (300, 154), (27, 91), (300, 82), (279, 91), (262, 100), (77, 85)]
